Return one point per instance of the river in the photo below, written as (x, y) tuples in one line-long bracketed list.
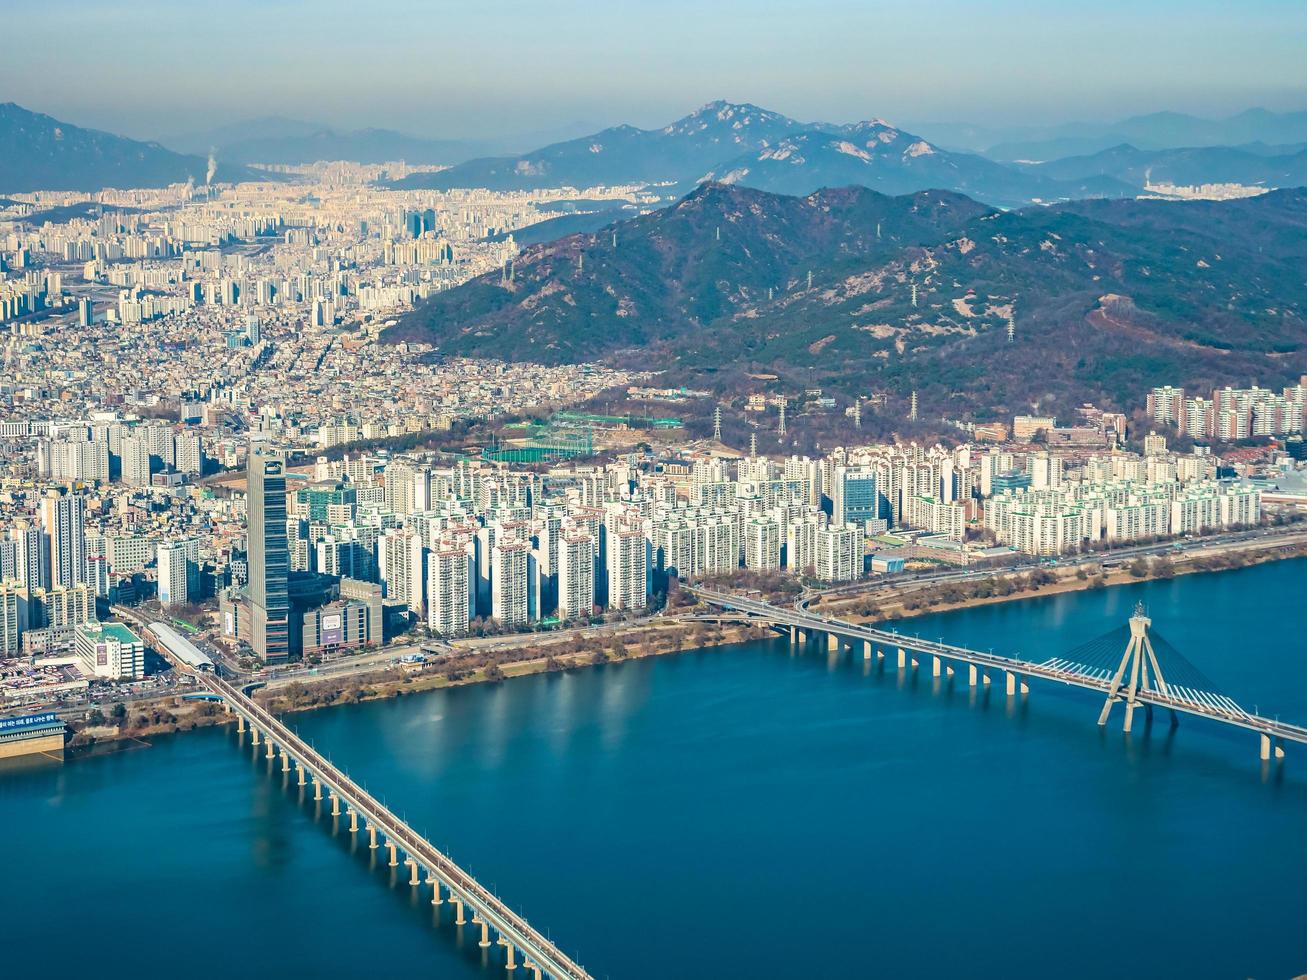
[(742, 811)]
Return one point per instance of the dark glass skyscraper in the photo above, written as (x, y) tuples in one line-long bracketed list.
[(269, 556)]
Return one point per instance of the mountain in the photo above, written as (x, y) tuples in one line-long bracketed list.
[(42, 153), (683, 150), (1192, 165), (877, 155), (1107, 296), (742, 144), (1155, 131)]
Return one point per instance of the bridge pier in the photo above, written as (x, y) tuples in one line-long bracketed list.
[(535, 970), (285, 760), (372, 837), (335, 804), (880, 654), (459, 920), (1265, 753), (254, 738), (794, 635), (971, 674), (1025, 685), (510, 963), (240, 724), (866, 649), (934, 666), (413, 872), (269, 753), (948, 670), (903, 658), (1011, 683), (832, 642), (485, 935), (394, 856), (435, 891), (301, 769), (353, 821), (317, 790)]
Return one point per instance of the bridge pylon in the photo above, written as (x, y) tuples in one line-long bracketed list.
[(1136, 662)]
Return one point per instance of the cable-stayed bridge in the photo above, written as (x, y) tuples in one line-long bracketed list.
[(1132, 665)]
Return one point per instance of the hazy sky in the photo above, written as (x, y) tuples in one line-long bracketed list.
[(489, 67)]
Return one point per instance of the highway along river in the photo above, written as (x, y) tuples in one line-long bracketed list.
[(740, 812)]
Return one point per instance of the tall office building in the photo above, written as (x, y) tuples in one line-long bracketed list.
[(63, 518), (269, 556), (854, 496)]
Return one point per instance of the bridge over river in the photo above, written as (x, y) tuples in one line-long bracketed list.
[(1131, 665)]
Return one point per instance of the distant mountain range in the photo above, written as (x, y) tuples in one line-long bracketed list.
[(1133, 167), (1155, 131), (741, 143), (278, 140), (1106, 296), (42, 153)]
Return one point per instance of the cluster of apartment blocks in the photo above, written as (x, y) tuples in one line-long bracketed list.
[(1231, 413)]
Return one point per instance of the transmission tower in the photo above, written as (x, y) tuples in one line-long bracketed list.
[(780, 430), (717, 423), (857, 413), (914, 294), (912, 412), (1011, 328)]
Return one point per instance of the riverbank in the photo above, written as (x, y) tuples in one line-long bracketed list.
[(651, 638), (1053, 580)]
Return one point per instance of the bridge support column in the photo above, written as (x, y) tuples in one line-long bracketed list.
[(971, 674), (435, 892), (866, 649), (1279, 748), (335, 804), (394, 857), (1025, 685), (353, 821), (832, 642), (934, 667), (880, 654), (1129, 715), (301, 768), (1011, 683), (1266, 747), (510, 963), (372, 837), (948, 671), (903, 658), (317, 790), (254, 739), (485, 935), (458, 913), (270, 753), (794, 635), (413, 872), (285, 761), (240, 724)]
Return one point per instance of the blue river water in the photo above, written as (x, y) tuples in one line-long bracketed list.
[(744, 811)]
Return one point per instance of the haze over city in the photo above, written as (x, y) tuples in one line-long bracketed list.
[(643, 490), (152, 68)]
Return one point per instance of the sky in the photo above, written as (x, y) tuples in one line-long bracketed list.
[(153, 68)]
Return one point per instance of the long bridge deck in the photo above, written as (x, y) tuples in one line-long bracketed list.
[(1183, 699), (540, 955)]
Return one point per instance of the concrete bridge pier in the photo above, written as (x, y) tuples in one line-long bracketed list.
[(240, 724), (413, 872), (833, 642), (301, 769), (335, 804), (934, 666), (353, 821), (866, 649), (880, 655), (1129, 715), (372, 837), (971, 674), (1011, 683), (1025, 685), (435, 891), (285, 760), (317, 790), (1265, 752), (254, 738), (535, 970), (510, 963), (794, 635), (948, 670), (394, 855), (485, 935), (459, 920), (269, 753), (903, 659), (1279, 748)]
